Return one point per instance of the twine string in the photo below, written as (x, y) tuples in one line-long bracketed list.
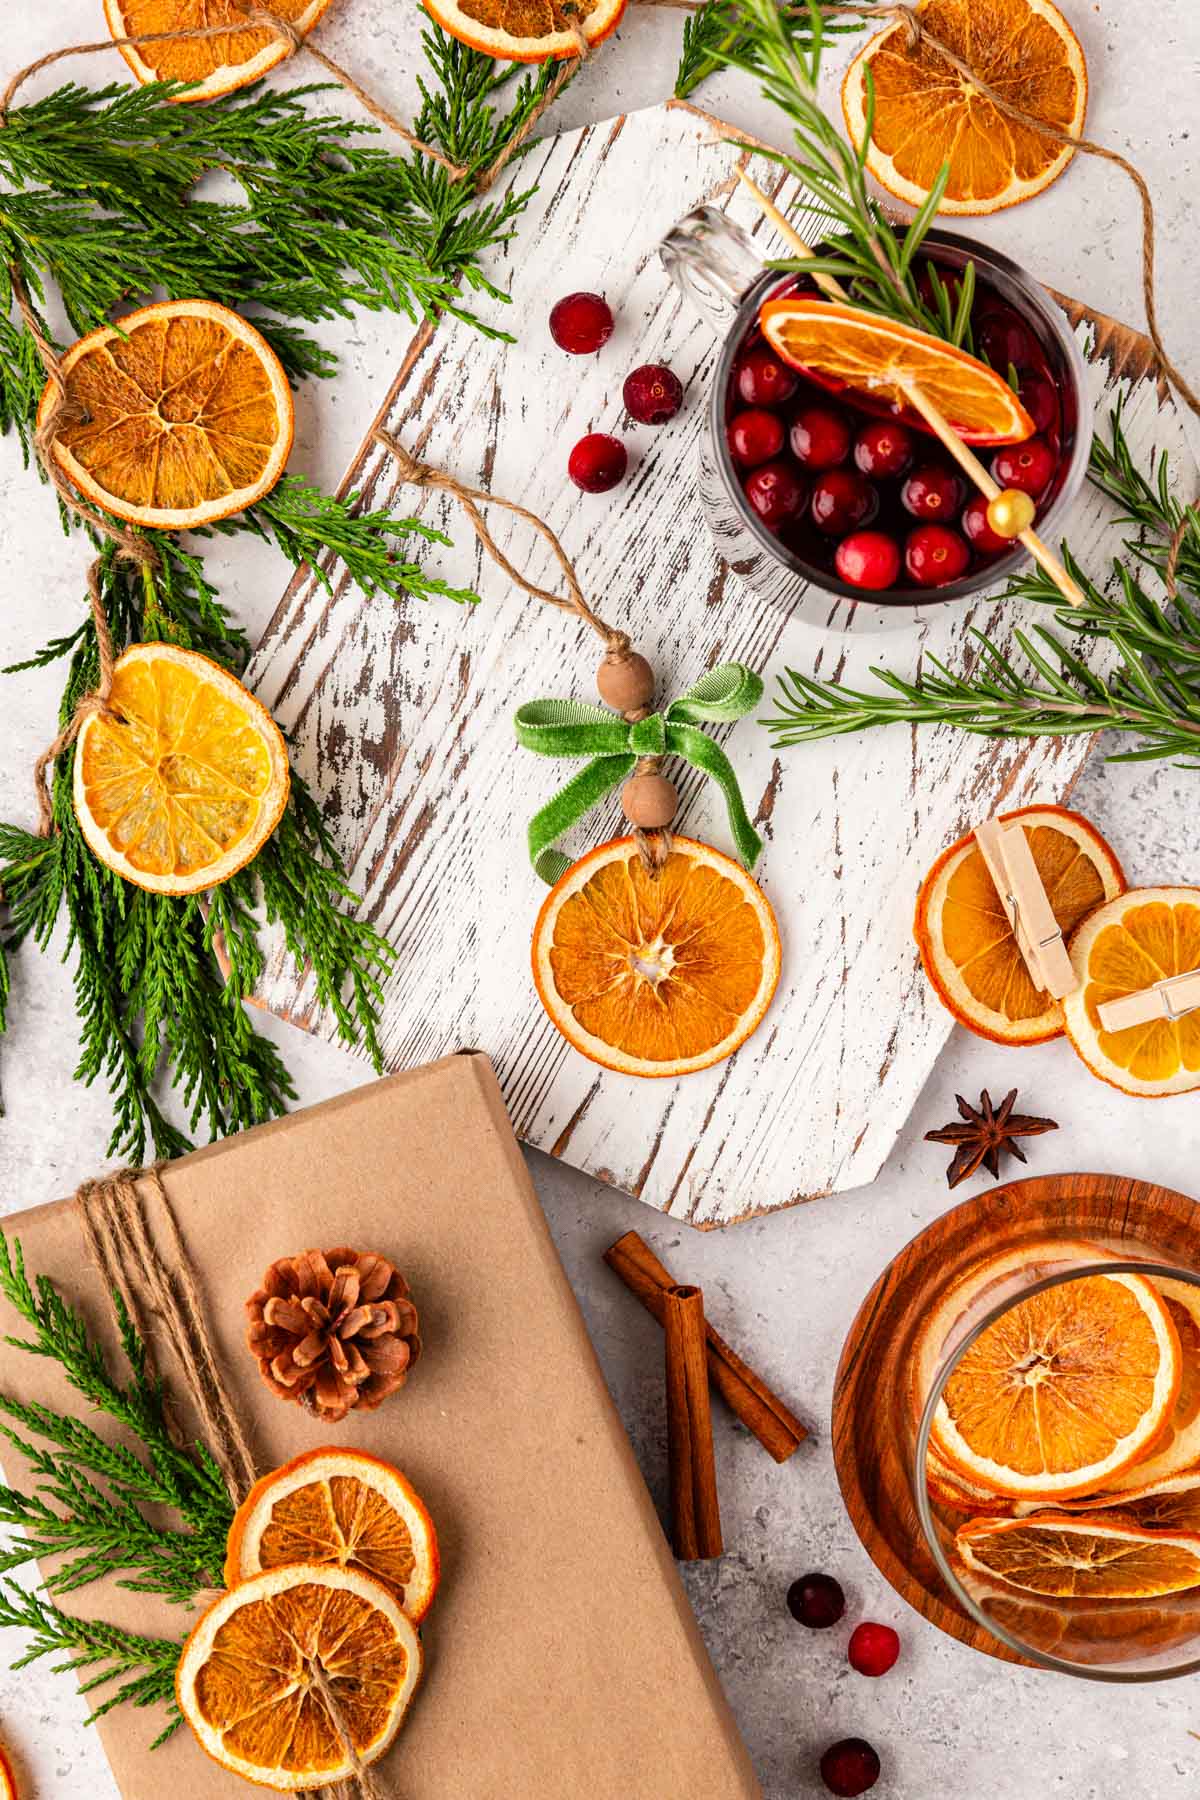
[(95, 704), (568, 68)]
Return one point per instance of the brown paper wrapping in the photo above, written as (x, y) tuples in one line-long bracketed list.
[(563, 1660)]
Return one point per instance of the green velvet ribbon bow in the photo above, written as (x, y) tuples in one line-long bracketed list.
[(571, 728)]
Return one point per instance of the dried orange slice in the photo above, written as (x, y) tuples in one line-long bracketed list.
[(1142, 937), (1101, 1558), (656, 974), (217, 64), (1170, 1505), (191, 781), (180, 414), (927, 114), (1177, 1449), (526, 30), (345, 1509), (254, 1675), (880, 361), (8, 1781), (1064, 1391), (967, 945)]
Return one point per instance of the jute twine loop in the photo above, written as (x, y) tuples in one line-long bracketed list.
[(89, 706), (1174, 548), (568, 68), (423, 475)]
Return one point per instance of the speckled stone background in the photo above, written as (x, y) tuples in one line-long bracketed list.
[(946, 1721)]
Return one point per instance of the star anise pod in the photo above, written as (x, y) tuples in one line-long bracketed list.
[(987, 1135), (333, 1329)]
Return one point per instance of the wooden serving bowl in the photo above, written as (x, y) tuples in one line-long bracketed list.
[(1113, 1211)]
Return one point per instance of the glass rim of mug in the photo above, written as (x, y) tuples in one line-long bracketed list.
[(1049, 314), (1027, 1652)]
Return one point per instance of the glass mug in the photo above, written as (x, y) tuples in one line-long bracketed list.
[(1101, 1639), (712, 262)]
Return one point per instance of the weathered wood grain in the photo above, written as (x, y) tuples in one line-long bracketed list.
[(402, 720)]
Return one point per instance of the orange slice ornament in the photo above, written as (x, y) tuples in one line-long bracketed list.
[(530, 31), (217, 65), (881, 361)]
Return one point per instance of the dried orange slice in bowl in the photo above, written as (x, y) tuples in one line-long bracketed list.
[(967, 945), (218, 64), (178, 415), (526, 30), (656, 974), (1100, 1558), (344, 1509), (261, 1671), (1138, 939), (1062, 1393), (187, 785), (880, 361), (926, 113)]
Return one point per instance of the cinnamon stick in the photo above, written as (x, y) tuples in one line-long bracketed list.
[(695, 1509), (746, 1394)]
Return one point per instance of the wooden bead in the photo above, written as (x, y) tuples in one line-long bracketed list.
[(626, 683), (649, 801), (1011, 513)]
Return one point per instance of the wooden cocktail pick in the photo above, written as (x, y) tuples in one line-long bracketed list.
[(932, 414)]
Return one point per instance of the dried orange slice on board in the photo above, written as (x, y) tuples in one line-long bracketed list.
[(344, 1509), (251, 1677), (1101, 1558), (967, 944), (1064, 1392), (656, 974), (179, 415), (8, 1781), (880, 360), (189, 783), (926, 113), (1138, 939), (218, 64), (526, 30)]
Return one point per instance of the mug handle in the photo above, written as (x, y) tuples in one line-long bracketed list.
[(713, 264)]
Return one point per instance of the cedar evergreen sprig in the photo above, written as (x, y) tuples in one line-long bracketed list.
[(110, 1651), (718, 32), (1150, 689)]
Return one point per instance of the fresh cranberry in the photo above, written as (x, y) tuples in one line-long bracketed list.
[(978, 532), (816, 1601), (820, 438), (581, 323), (776, 493), (935, 555), (597, 462), (850, 1767), (932, 492), (868, 559), (652, 394), (883, 448), (842, 501), (763, 380), (1003, 339), (1040, 400), (755, 436), (872, 1648), (1027, 466)]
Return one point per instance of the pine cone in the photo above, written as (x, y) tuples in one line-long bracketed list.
[(333, 1329)]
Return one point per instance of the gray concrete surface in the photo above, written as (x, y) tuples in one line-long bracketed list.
[(945, 1721)]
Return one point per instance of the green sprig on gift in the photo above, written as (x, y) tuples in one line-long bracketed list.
[(614, 747)]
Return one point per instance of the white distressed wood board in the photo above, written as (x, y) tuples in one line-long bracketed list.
[(402, 719)]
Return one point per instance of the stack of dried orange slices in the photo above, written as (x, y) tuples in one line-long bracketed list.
[(1068, 1431), (306, 1667)]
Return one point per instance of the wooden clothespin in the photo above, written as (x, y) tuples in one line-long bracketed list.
[(1005, 850), (1169, 999)]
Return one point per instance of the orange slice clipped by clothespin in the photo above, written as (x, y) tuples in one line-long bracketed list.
[(1135, 1018), (1171, 999), (1010, 863)]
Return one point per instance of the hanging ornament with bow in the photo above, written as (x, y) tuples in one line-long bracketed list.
[(653, 954)]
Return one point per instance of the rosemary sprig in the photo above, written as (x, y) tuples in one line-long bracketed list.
[(1152, 692)]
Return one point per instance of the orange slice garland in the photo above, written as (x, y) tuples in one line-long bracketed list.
[(218, 64), (344, 1509), (1101, 1558), (1138, 939), (656, 974), (8, 1781), (927, 114), (260, 1671), (526, 30), (880, 360), (187, 785), (179, 415), (967, 945)]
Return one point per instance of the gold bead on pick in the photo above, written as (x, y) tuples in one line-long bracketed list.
[(1011, 513), (649, 802)]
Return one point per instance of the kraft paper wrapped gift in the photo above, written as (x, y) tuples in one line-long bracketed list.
[(562, 1658)]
